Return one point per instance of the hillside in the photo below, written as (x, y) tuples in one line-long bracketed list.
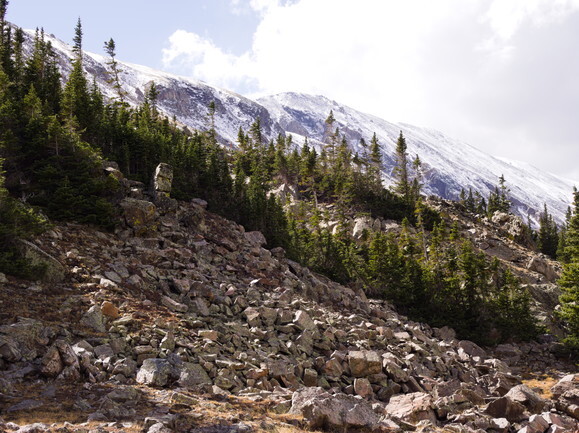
[(449, 164), (195, 326), (155, 278)]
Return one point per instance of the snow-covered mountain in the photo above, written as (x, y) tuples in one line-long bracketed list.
[(449, 164)]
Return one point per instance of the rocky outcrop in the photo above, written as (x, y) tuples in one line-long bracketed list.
[(196, 304), (162, 180)]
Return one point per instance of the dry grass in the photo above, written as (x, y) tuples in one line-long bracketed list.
[(541, 383)]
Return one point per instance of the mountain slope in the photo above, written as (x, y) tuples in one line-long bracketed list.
[(449, 164), (186, 99)]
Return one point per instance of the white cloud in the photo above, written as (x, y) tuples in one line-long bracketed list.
[(470, 68), (202, 59)]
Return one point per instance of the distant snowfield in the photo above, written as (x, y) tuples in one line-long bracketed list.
[(449, 164)]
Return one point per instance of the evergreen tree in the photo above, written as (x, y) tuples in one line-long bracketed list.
[(569, 281), (402, 185), (375, 163), (77, 41), (5, 48), (114, 80), (499, 198), (416, 186), (76, 98), (548, 236)]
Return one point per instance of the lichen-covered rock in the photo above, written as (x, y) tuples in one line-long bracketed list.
[(255, 238), (527, 397), (140, 215), (540, 265), (23, 340), (51, 364), (163, 179)]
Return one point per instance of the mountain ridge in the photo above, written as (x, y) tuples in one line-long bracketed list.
[(449, 164)]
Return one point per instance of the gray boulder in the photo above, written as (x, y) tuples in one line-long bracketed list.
[(193, 375), (140, 215), (338, 412), (94, 319), (163, 179), (413, 407), (504, 407), (527, 397), (155, 372)]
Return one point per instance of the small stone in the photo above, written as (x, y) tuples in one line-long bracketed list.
[(51, 363), (364, 363), (310, 377), (109, 310), (363, 388), (303, 321), (94, 319), (208, 334), (173, 305)]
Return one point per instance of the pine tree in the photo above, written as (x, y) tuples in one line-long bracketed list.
[(77, 40), (375, 161), (548, 236), (402, 185), (76, 98), (569, 281), (5, 44), (110, 49), (562, 243), (416, 186), (331, 137), (499, 198)]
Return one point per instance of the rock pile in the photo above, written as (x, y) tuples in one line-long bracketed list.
[(182, 299)]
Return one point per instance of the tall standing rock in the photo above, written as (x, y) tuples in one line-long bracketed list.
[(162, 180)]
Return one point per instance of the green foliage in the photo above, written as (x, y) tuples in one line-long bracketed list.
[(499, 198), (17, 221), (548, 236), (402, 185), (453, 286), (56, 139), (569, 281)]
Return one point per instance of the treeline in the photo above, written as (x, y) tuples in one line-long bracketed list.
[(54, 139)]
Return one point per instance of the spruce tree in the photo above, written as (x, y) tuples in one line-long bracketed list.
[(402, 184), (115, 81), (548, 236), (569, 281), (76, 98), (375, 163)]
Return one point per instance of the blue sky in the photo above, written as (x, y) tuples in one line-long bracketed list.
[(140, 28), (499, 74)]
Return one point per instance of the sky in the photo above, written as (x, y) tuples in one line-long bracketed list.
[(502, 75)]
